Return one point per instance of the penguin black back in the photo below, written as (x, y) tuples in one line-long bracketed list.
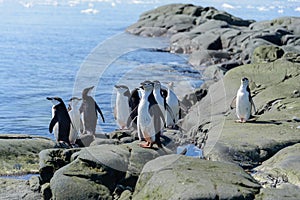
[(89, 108), (61, 117)]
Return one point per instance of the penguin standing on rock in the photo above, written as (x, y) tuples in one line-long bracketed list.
[(134, 100), (160, 95), (244, 101), (122, 109), (173, 102), (149, 117), (61, 117), (74, 114), (89, 109)]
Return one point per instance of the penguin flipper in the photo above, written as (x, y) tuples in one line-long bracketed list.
[(132, 116), (100, 112), (252, 105), (233, 103), (170, 112), (115, 113), (155, 111), (52, 124)]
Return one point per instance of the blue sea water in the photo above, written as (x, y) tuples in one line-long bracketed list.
[(47, 46)]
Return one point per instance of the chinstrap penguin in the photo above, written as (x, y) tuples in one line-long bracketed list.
[(149, 117), (61, 117), (173, 101), (77, 126), (244, 101), (89, 109), (122, 109)]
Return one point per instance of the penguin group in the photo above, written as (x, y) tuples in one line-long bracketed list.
[(149, 109), (68, 123)]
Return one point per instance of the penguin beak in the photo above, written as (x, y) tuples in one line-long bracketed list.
[(49, 98)]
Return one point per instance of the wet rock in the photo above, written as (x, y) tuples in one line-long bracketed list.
[(17, 189), (182, 177), (19, 153)]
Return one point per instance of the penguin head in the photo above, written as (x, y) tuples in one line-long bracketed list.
[(245, 81), (87, 91), (121, 88), (157, 84), (147, 86), (55, 100), (74, 101)]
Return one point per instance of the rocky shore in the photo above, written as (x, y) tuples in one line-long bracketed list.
[(256, 160)]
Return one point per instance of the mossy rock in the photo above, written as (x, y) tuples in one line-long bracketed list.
[(267, 54), (251, 143), (182, 177), (17, 189), (20, 153), (283, 165), (98, 170)]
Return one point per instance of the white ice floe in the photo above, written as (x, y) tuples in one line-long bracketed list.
[(227, 6), (297, 9), (89, 11)]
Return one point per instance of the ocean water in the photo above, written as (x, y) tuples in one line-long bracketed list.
[(56, 48)]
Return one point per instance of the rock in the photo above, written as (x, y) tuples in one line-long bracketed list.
[(248, 144), (208, 40), (99, 141), (34, 183), (286, 192), (248, 47), (207, 57), (284, 166), (209, 25), (266, 54), (97, 170), (46, 191), (19, 153), (17, 189), (182, 177), (53, 159), (289, 23), (85, 140)]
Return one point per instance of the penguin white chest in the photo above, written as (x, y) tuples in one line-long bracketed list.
[(144, 115), (122, 107), (55, 128), (243, 105)]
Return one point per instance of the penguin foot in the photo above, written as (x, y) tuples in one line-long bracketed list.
[(62, 144), (146, 145), (242, 120)]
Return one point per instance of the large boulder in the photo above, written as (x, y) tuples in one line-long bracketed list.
[(51, 160), (249, 144), (182, 177), (282, 168), (19, 153), (100, 171)]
